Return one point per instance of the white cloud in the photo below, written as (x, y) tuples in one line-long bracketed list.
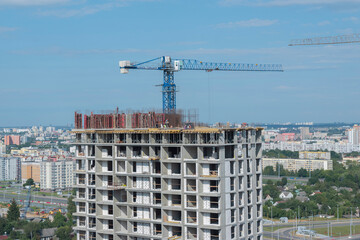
[(287, 2), (25, 3), (323, 23), (248, 23), (7, 29), (87, 10)]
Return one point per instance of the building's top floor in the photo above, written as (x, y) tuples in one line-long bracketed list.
[(197, 135)]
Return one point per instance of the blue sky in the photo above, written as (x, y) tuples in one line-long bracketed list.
[(58, 56)]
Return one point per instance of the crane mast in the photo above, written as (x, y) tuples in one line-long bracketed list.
[(170, 66)]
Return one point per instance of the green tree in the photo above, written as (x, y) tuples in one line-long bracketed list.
[(284, 181), (32, 230), (59, 220), (71, 209), (302, 172), (64, 233), (13, 213), (268, 170), (29, 182)]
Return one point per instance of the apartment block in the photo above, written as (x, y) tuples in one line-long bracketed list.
[(30, 170), (10, 168), (12, 140), (168, 183), (57, 174), (297, 164), (314, 155)]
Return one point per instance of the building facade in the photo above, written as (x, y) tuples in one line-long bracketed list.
[(354, 135), (297, 164), (12, 140), (30, 170), (160, 183), (10, 168), (314, 155), (57, 175)]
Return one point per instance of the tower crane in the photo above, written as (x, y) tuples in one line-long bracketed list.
[(169, 66), (342, 39)]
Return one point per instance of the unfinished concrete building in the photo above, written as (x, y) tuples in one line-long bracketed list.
[(168, 183)]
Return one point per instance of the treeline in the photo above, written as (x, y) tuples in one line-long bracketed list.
[(280, 154), (17, 228)]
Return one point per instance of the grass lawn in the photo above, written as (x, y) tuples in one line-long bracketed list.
[(339, 231)]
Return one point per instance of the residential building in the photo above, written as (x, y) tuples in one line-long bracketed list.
[(286, 195), (30, 170), (57, 174), (354, 135), (304, 133), (10, 168), (314, 155), (285, 137), (12, 140), (168, 183), (297, 164)]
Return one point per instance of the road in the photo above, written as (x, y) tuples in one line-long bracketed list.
[(286, 233), (7, 197)]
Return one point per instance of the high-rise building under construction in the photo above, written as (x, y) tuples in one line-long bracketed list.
[(141, 176)]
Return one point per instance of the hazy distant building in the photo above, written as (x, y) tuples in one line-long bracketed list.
[(354, 135), (57, 174), (304, 133), (10, 168), (314, 155), (12, 140), (30, 170), (285, 137), (297, 164)]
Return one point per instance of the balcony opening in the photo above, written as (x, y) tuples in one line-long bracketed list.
[(191, 138), (121, 166), (91, 193), (232, 167), (232, 184), (157, 214), (211, 153), (158, 138), (156, 167), (214, 202), (106, 152), (232, 199), (191, 185), (176, 200), (175, 168), (241, 214), (174, 152), (191, 233), (191, 201), (92, 222), (110, 196), (145, 152), (136, 152), (191, 169), (135, 138), (82, 207), (176, 216), (214, 218), (209, 138), (214, 186), (110, 210), (121, 151), (229, 136), (214, 234), (157, 183), (232, 215), (92, 208), (121, 138), (109, 166), (175, 138), (91, 165), (175, 184), (157, 230), (230, 151), (157, 198), (191, 217), (111, 224)]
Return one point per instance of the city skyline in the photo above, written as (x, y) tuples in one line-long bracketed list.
[(60, 56)]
